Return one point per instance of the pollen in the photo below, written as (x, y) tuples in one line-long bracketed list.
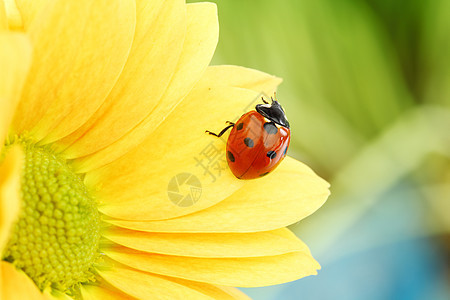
[(55, 240)]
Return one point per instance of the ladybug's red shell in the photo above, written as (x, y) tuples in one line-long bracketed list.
[(256, 145)]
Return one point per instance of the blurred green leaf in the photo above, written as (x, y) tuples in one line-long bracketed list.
[(436, 49)]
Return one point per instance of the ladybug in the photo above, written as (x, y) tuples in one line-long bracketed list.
[(258, 141)]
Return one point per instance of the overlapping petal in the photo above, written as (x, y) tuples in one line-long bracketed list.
[(173, 288), (199, 44), (243, 272), (266, 243), (3, 18), (298, 193), (153, 166), (28, 10), (12, 14), (234, 293), (134, 187), (158, 43), (17, 285), (69, 47), (15, 60), (142, 284), (10, 169)]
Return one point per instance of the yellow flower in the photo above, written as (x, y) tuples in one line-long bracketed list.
[(103, 108)]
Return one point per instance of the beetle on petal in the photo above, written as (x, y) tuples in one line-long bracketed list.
[(258, 141)]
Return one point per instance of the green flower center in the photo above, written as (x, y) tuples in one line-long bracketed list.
[(56, 238)]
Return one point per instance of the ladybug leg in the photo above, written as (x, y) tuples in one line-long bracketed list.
[(223, 130), (231, 123)]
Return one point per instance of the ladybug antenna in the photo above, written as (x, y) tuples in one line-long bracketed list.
[(275, 96)]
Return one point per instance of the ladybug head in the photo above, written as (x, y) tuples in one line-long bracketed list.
[(273, 112)]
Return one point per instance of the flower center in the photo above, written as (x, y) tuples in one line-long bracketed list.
[(56, 238)]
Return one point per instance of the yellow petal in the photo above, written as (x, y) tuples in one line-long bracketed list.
[(160, 32), (136, 186), (3, 18), (267, 243), (78, 56), (295, 193), (200, 42), (92, 292), (261, 83), (16, 285), (144, 285), (10, 170), (15, 59), (236, 76), (29, 9), (242, 272), (234, 293), (215, 291), (13, 16)]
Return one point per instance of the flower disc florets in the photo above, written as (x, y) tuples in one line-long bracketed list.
[(55, 240)]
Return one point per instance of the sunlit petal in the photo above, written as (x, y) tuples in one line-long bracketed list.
[(142, 284), (16, 285), (29, 9), (84, 45), (199, 44), (157, 45), (3, 18), (236, 76), (134, 187), (243, 272), (298, 194), (10, 201), (267, 243), (15, 60)]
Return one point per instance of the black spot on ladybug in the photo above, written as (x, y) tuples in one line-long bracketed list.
[(240, 126), (248, 142), (271, 154), (230, 156), (270, 128), (263, 174)]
